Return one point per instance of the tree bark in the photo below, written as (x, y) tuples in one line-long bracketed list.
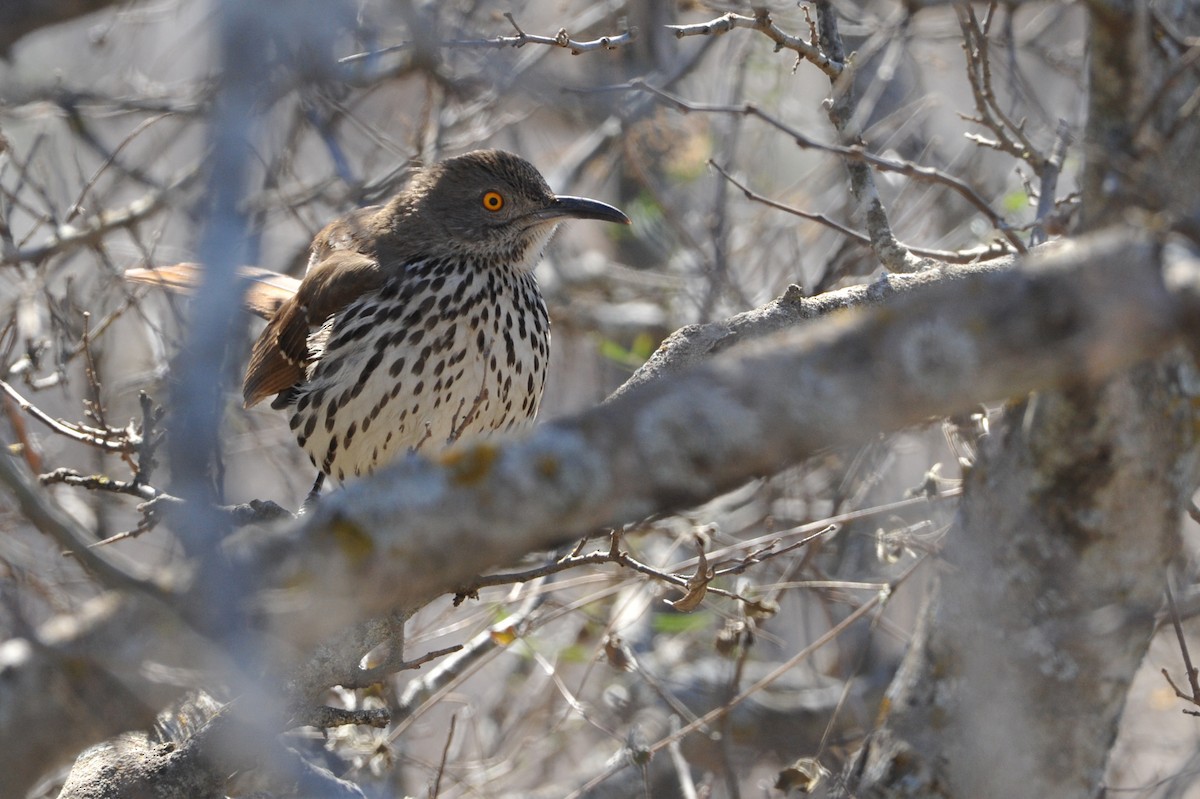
[(1018, 675)]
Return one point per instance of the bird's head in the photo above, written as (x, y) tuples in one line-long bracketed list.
[(493, 206)]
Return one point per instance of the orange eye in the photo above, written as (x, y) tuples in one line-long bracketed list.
[(493, 201)]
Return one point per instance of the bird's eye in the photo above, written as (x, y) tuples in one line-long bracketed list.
[(493, 201)]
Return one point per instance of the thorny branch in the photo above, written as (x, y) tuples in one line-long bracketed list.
[(1008, 136), (761, 21), (124, 441), (729, 560), (98, 482), (1193, 675), (1011, 137), (856, 153), (92, 230), (560, 39), (994, 250), (874, 604)]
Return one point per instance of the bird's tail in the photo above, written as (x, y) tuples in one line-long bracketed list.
[(265, 290)]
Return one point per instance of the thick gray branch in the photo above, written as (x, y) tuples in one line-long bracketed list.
[(423, 527), (695, 344), (85, 678)]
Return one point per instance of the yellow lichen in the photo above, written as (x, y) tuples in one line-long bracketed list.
[(355, 543), (548, 466), (471, 464)]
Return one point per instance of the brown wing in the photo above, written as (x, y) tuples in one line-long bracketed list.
[(281, 355), (266, 291)]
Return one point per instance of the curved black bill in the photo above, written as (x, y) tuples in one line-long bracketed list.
[(583, 208)]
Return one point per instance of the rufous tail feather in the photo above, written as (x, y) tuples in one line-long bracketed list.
[(265, 290)]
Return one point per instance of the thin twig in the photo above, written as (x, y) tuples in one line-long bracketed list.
[(994, 250), (124, 441), (94, 228), (783, 668), (856, 153), (99, 482), (1010, 136), (687, 786), (1192, 676), (437, 782), (561, 39), (376, 674), (77, 206), (1047, 202), (54, 522), (762, 22), (324, 717)]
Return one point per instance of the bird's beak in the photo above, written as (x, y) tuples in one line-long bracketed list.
[(582, 208)]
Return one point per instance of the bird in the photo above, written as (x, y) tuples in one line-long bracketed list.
[(417, 323)]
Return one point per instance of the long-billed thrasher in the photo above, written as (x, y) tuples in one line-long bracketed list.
[(417, 323)]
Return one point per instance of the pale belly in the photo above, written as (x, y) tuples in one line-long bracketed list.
[(414, 375)]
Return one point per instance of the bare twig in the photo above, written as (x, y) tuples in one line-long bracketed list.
[(77, 206), (855, 153), (687, 786), (719, 712), (376, 674), (613, 555), (1010, 136), (762, 22), (994, 250), (52, 521), (1047, 203), (151, 438), (93, 229), (109, 439), (437, 782), (325, 717), (560, 39), (98, 482), (1193, 675), (439, 679)]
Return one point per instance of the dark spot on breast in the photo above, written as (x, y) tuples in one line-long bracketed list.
[(510, 347), (371, 365)]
